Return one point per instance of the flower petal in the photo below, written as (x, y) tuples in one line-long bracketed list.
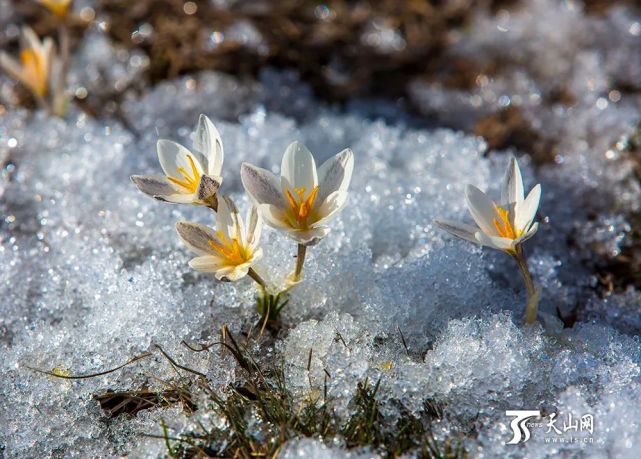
[(179, 198), (332, 205), (209, 143), (261, 185), (512, 183), (482, 209), (207, 263), (197, 237), (495, 242), (47, 54), (227, 219), (274, 217), (30, 40), (298, 167), (153, 186), (525, 211), (254, 227), (232, 273), (208, 187), (335, 174), (309, 237), (173, 156), (12, 67), (460, 230), (529, 233)]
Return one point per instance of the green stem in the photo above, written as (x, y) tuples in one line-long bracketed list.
[(259, 280), (300, 261), (59, 98), (532, 293)]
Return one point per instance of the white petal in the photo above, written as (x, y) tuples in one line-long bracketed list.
[(298, 167), (226, 217), (525, 211), (254, 227), (496, 242), (31, 40), (11, 66), (529, 233), (47, 51), (232, 273), (460, 230), (172, 156), (261, 185), (207, 263), (274, 216), (335, 174), (197, 237), (482, 209), (210, 144), (153, 186), (309, 237), (512, 183), (179, 198), (332, 205)]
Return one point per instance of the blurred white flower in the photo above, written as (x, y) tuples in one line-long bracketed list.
[(58, 7), (502, 226), (231, 250), (303, 200), (190, 177), (35, 67)]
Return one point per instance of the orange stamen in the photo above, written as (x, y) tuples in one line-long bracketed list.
[(189, 182), (231, 250), (503, 225), (301, 207)]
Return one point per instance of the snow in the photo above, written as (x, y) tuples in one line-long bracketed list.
[(92, 272)]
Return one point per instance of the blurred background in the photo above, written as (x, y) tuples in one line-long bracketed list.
[(469, 58)]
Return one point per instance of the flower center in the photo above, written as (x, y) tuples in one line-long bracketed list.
[(189, 181), (34, 70), (231, 250), (301, 207), (503, 225)]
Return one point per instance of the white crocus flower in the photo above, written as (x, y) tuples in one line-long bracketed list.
[(36, 60), (503, 226), (303, 199), (191, 177), (231, 250)]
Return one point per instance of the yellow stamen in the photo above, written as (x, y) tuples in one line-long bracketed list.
[(189, 182), (301, 207), (503, 224), (34, 70), (231, 250)]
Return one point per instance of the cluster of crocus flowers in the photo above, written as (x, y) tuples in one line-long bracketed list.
[(301, 202), (504, 226), (35, 64)]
